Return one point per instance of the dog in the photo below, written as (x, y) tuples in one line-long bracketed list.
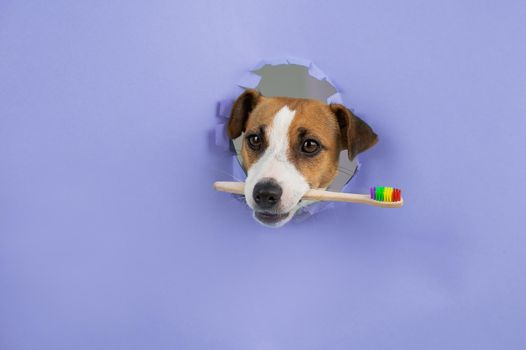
[(291, 145)]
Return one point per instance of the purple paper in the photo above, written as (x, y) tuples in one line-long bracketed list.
[(224, 107), (335, 98), (276, 61), (299, 61), (316, 72), (259, 65), (249, 80), (238, 174), (222, 140), (112, 237)]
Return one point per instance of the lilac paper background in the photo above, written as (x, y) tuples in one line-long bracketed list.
[(112, 238)]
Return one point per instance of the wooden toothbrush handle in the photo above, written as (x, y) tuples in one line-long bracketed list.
[(317, 195), (230, 187)]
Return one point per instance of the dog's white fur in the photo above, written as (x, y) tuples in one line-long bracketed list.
[(274, 164)]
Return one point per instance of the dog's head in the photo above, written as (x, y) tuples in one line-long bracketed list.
[(289, 146)]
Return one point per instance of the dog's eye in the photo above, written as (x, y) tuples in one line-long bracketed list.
[(254, 141), (310, 146)]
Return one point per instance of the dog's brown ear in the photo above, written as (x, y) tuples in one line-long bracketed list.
[(357, 136), (244, 104)]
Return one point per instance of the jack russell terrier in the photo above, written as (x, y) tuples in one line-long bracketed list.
[(291, 145)]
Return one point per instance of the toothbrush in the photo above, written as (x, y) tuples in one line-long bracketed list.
[(384, 197)]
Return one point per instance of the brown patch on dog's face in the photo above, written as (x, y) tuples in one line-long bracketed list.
[(258, 124), (314, 142)]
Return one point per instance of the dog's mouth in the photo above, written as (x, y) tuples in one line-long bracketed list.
[(270, 219)]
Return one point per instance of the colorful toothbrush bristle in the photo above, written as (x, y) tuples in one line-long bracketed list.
[(386, 194)]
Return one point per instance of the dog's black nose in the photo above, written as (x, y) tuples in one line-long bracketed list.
[(267, 194)]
